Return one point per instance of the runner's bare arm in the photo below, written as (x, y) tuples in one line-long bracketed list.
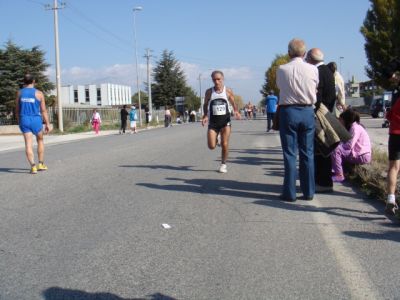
[(205, 107), (231, 98), (43, 110), (17, 107)]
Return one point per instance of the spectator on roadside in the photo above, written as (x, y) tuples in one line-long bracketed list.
[(167, 117), (193, 116), (297, 82), (357, 151), (132, 119), (393, 116), (147, 112), (95, 120), (271, 103), (124, 117), (339, 87), (327, 95)]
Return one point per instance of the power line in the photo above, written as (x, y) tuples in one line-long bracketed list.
[(94, 34), (99, 26)]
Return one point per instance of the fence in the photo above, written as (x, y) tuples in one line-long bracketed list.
[(75, 116)]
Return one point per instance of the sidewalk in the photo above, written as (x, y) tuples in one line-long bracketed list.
[(15, 142)]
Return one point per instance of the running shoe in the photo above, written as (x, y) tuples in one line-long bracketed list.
[(391, 208), (34, 169), (42, 167), (223, 168)]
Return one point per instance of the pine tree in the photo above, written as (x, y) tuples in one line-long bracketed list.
[(169, 80), (270, 74), (15, 62), (381, 30)]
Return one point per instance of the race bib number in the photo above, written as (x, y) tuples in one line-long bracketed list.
[(219, 110)]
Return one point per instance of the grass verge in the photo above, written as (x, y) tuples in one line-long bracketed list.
[(372, 177)]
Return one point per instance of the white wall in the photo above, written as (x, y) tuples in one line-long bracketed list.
[(111, 94)]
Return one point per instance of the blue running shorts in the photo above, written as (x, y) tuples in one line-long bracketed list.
[(32, 124)]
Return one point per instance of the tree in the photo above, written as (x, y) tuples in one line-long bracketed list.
[(144, 99), (192, 101), (15, 62), (239, 101), (270, 74), (169, 80), (381, 30)]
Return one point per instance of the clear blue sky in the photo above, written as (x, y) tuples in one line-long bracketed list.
[(240, 37)]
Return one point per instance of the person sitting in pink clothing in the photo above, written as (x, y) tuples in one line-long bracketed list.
[(356, 151)]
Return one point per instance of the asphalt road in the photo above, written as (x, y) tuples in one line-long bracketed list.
[(90, 227)]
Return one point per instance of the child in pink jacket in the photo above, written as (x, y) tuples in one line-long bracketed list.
[(356, 151)]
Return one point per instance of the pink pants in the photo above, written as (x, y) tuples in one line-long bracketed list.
[(340, 155), (96, 127)]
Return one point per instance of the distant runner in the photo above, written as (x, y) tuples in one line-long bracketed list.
[(30, 108), (216, 113)]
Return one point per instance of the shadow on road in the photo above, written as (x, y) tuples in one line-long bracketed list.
[(56, 293), (13, 170), (383, 235), (335, 211), (166, 167), (220, 187)]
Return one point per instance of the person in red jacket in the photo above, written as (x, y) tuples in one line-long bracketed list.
[(393, 116)]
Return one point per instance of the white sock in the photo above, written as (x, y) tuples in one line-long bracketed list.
[(391, 199)]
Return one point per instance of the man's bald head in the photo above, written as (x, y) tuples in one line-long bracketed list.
[(296, 48), (315, 56)]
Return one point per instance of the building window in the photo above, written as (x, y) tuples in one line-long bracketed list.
[(98, 96), (76, 100), (87, 97)]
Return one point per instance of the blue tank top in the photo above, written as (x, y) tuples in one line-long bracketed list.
[(29, 105)]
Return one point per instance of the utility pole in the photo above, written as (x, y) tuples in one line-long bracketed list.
[(136, 9), (55, 9), (148, 56), (201, 98)]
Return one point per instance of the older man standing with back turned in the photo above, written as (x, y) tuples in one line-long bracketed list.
[(327, 95), (297, 81)]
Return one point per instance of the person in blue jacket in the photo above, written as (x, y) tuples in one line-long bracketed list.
[(271, 103)]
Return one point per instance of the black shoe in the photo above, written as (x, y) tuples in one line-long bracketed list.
[(307, 198), (391, 209), (287, 199), (323, 189)]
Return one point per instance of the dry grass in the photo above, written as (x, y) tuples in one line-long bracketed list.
[(372, 178)]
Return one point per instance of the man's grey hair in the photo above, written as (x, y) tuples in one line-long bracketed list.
[(316, 55), (296, 48), (217, 72)]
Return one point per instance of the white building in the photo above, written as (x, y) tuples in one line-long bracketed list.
[(105, 94)]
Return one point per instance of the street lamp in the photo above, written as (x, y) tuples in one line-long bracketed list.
[(340, 64), (137, 8)]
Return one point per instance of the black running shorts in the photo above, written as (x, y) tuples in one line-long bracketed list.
[(394, 147)]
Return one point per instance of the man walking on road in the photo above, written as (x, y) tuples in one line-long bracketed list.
[(326, 95), (216, 113), (297, 81), (270, 106), (30, 108), (124, 118)]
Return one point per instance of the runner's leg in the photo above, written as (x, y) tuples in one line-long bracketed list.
[(211, 139), (40, 148), (225, 134), (29, 148)]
